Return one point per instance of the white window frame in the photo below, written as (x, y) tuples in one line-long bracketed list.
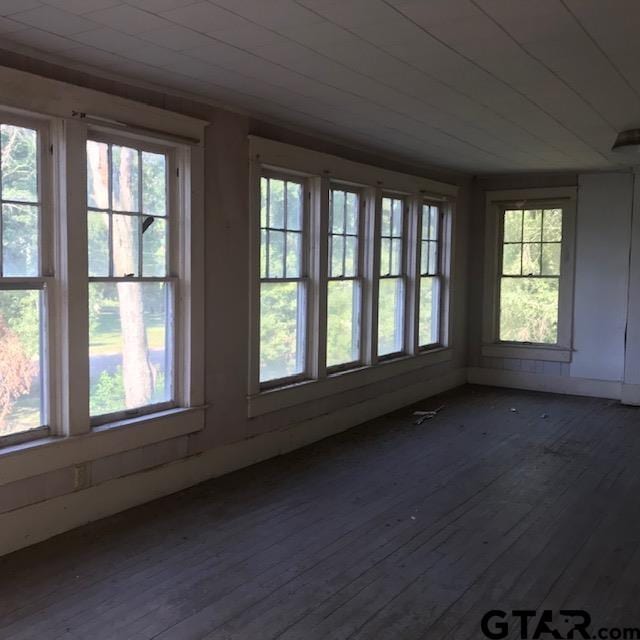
[(305, 279), (173, 275), (358, 279), (443, 246), (496, 203), (323, 171), (64, 112), (44, 281)]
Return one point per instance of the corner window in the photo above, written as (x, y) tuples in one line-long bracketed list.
[(131, 293), (23, 297), (283, 282), (344, 286), (530, 275), (528, 307), (391, 283)]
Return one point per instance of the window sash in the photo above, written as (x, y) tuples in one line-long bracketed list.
[(302, 280), (560, 277), (170, 279)]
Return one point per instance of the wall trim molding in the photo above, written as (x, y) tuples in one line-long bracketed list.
[(37, 522), (540, 382)]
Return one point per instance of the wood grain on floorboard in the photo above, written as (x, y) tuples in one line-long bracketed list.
[(388, 531)]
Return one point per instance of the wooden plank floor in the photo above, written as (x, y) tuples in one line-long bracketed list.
[(389, 531)]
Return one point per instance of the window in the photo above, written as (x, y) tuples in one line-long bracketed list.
[(391, 283), (530, 275), (529, 256), (283, 282), (23, 264), (429, 283), (131, 293), (344, 287)]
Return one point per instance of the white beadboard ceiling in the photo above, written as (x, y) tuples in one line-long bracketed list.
[(476, 85)]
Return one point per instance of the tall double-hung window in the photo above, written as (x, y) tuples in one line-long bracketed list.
[(392, 279), (344, 286), (283, 280), (25, 254), (131, 291)]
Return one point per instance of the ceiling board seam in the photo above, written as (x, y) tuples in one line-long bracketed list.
[(493, 75), (596, 44), (441, 82)]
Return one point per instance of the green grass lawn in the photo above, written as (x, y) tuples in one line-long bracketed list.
[(105, 336)]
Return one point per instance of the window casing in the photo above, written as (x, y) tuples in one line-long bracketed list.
[(529, 274), (25, 276), (130, 224), (283, 280), (392, 279), (345, 279)]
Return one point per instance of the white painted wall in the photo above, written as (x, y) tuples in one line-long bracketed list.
[(601, 277)]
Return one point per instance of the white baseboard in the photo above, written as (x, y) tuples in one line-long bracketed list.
[(631, 394), (43, 520), (541, 382)]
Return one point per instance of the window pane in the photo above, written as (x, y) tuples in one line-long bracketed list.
[(396, 257), (276, 204), (529, 310), (390, 316), (281, 330), (351, 257), (551, 259), (532, 226), (293, 255), (19, 157), (124, 178), (385, 228), (126, 245), (97, 175), (433, 257), (20, 240), (433, 223), (20, 379), (154, 247), (552, 231), (385, 257), (263, 253), (294, 206), (513, 226), (337, 254), (154, 183), (352, 213), (424, 257), (396, 220), (424, 232), (428, 332), (98, 237), (129, 352), (343, 322), (264, 201), (530, 259), (337, 212), (276, 254), (511, 254)]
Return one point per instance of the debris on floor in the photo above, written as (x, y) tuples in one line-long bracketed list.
[(513, 410), (427, 415), (544, 416)]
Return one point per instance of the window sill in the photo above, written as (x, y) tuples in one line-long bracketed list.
[(272, 400), (527, 352), (48, 454)]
